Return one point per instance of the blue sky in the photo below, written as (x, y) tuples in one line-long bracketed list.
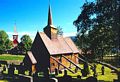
[(31, 15)]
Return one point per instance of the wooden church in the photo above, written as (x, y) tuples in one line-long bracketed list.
[(50, 51)]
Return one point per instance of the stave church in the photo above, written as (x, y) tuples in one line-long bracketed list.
[(50, 51)]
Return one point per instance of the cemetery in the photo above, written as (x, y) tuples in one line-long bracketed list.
[(14, 73)]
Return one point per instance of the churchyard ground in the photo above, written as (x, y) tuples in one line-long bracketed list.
[(108, 77)]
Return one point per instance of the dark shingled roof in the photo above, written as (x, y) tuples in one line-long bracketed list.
[(60, 45)]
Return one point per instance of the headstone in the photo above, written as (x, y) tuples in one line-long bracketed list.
[(11, 70), (76, 70), (56, 71), (1, 71), (79, 76), (60, 72), (86, 68), (65, 72), (102, 69), (118, 76), (94, 70), (4, 68), (84, 73)]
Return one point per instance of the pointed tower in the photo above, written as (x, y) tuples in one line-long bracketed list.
[(15, 37), (50, 29)]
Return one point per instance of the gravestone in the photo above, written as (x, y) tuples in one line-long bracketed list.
[(94, 70), (86, 68), (10, 70), (84, 73), (79, 76), (60, 72), (65, 72), (56, 71), (76, 70), (1, 69), (102, 69), (118, 76)]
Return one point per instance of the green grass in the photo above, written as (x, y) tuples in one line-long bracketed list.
[(5, 57), (108, 77), (3, 81)]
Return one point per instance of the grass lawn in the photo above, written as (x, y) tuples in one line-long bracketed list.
[(108, 77), (5, 57), (3, 81)]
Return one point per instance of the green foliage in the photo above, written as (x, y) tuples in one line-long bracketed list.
[(27, 42), (5, 43), (59, 32), (8, 44), (100, 22)]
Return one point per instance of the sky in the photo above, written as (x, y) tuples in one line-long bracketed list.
[(31, 16)]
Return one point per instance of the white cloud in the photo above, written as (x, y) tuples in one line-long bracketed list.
[(69, 34)]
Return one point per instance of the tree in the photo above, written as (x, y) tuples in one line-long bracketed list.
[(108, 15), (27, 42), (84, 24), (59, 32), (8, 44), (84, 20), (100, 20), (5, 43)]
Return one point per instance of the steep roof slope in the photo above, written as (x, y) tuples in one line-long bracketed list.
[(58, 46)]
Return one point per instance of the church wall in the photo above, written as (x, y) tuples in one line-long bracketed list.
[(74, 59), (65, 62), (54, 64)]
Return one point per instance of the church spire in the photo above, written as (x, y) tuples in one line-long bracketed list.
[(15, 36), (15, 30), (49, 16), (50, 29)]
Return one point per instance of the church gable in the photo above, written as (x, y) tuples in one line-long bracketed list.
[(40, 52)]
